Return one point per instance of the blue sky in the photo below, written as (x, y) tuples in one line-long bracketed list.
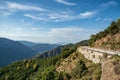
[(52, 21)]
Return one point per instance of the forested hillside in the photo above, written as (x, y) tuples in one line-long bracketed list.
[(46, 68), (37, 68)]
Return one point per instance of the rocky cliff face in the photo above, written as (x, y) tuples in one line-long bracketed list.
[(109, 42), (110, 69)]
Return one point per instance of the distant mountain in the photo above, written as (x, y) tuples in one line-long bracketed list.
[(43, 47), (50, 53), (11, 51), (27, 43), (54, 52), (39, 47)]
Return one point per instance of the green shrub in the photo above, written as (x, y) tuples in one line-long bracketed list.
[(79, 70), (97, 72)]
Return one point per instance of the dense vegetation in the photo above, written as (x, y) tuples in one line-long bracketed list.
[(113, 29), (37, 68), (81, 68), (86, 70), (45, 68)]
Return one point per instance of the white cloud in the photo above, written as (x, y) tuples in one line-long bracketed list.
[(65, 2), (110, 3), (17, 6), (87, 14)]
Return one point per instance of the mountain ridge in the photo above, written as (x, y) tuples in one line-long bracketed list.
[(11, 51), (39, 47)]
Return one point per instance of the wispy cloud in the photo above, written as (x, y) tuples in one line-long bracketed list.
[(88, 14), (45, 15), (60, 16), (110, 3), (18, 6), (31, 16), (103, 19), (65, 2), (8, 8), (34, 17)]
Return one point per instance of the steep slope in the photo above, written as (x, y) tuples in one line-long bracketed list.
[(111, 68), (79, 68), (11, 51), (107, 39)]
